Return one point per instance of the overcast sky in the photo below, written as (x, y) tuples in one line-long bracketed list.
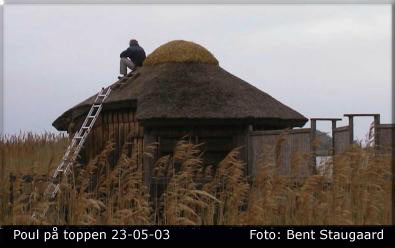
[(321, 60)]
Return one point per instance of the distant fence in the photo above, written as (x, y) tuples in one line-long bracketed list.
[(294, 151), (341, 139), (386, 136), (281, 149)]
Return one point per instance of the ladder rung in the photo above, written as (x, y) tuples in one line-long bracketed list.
[(78, 140), (55, 175), (50, 185), (67, 160), (67, 170), (55, 191)]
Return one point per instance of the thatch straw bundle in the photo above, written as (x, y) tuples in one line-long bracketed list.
[(180, 51)]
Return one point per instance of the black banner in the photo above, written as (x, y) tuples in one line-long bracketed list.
[(351, 236)]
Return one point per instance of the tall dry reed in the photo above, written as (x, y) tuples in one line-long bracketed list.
[(352, 188)]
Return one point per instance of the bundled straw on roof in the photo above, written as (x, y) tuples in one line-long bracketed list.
[(180, 51)]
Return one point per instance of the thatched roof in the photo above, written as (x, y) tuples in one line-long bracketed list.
[(185, 89), (180, 51)]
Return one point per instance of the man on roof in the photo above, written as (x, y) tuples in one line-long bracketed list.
[(131, 58)]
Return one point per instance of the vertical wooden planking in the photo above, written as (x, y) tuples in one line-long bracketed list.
[(99, 133), (333, 137), (137, 138), (377, 130), (387, 137), (342, 138), (118, 126), (262, 143), (125, 131), (121, 131), (132, 138), (313, 145), (141, 149), (129, 140), (93, 139), (105, 129), (116, 135), (148, 162), (136, 130), (351, 129), (250, 156), (127, 126), (116, 139), (87, 146), (141, 131), (111, 134)]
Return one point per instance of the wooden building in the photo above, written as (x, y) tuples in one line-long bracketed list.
[(180, 90)]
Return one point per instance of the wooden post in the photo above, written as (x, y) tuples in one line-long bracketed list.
[(240, 139), (250, 166), (313, 146), (376, 132), (351, 129), (333, 137)]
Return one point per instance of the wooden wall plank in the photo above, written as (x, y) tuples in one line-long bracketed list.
[(105, 129), (116, 135), (129, 140), (126, 131), (93, 140), (111, 136), (121, 131), (148, 162)]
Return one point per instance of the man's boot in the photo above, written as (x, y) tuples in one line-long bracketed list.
[(121, 77)]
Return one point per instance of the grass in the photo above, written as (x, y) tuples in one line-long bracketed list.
[(352, 189), (41, 152), (180, 51)]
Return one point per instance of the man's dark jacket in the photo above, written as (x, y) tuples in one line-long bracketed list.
[(135, 53)]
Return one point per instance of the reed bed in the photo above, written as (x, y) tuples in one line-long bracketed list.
[(353, 188)]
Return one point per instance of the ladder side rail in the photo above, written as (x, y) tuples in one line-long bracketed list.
[(82, 141), (76, 144), (81, 135)]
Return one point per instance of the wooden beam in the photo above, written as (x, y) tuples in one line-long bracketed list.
[(250, 160), (333, 137), (313, 145), (351, 128), (326, 119), (360, 115), (376, 131)]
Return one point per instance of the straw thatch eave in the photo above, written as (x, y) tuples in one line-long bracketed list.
[(190, 91)]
